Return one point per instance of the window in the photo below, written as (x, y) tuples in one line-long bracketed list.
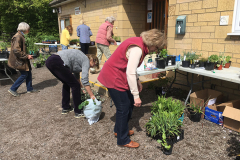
[(236, 19), (65, 21)]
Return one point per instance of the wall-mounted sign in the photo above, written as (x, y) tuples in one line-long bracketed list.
[(149, 17), (149, 5), (77, 11), (224, 20)]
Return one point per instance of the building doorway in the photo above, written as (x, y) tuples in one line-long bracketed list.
[(159, 15)]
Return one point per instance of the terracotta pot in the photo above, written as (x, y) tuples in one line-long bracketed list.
[(227, 65), (220, 67)]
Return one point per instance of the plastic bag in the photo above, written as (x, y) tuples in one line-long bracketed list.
[(92, 111)]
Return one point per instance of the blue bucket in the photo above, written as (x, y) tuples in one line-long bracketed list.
[(178, 58)]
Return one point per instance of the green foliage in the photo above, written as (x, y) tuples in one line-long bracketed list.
[(30, 46), (197, 107), (162, 81), (74, 41), (86, 96), (169, 105), (203, 59), (3, 45), (213, 58), (85, 103), (165, 121), (165, 124), (228, 59), (163, 53), (117, 38), (37, 13)]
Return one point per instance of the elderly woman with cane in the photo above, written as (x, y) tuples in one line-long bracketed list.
[(119, 76)]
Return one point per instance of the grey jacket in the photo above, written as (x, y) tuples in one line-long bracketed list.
[(77, 62)]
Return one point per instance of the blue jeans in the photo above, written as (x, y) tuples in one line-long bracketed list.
[(124, 103), (64, 47), (24, 75)]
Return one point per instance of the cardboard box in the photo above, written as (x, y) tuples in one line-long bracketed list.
[(231, 115), (214, 113), (211, 96)]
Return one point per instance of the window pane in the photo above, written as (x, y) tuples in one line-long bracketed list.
[(67, 22), (62, 25)]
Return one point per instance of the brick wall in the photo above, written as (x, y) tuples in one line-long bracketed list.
[(205, 35), (129, 14)]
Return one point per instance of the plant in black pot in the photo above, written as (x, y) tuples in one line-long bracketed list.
[(4, 53), (185, 59), (196, 110), (202, 62), (163, 55), (212, 60), (193, 58), (161, 85), (169, 129)]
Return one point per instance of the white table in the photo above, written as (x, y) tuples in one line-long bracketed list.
[(143, 73), (228, 74), (78, 47), (45, 44), (3, 60), (231, 74)]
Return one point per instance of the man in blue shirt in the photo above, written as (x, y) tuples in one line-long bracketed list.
[(84, 32)]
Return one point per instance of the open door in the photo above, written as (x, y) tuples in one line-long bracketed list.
[(159, 15)]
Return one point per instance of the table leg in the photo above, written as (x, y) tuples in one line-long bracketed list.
[(5, 70), (202, 82), (189, 91), (173, 80)]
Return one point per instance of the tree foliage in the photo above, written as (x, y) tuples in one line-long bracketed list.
[(37, 13)]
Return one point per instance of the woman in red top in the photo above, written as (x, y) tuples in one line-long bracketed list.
[(119, 76)]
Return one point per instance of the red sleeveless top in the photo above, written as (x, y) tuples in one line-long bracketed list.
[(113, 74)]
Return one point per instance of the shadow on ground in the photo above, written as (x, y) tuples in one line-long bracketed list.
[(47, 83)]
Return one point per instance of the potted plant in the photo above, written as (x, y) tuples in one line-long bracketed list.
[(3, 46), (3, 52), (161, 85), (212, 60), (160, 59), (228, 62), (202, 62), (196, 110), (221, 61), (193, 57), (166, 126), (185, 59)]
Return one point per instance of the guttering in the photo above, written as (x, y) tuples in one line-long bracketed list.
[(60, 3)]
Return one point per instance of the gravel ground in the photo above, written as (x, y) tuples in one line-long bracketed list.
[(32, 127)]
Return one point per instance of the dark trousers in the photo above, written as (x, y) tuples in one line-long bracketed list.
[(84, 47), (55, 65), (124, 103)]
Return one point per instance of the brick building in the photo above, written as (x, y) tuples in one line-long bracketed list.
[(204, 34)]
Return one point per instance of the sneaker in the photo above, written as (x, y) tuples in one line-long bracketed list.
[(33, 91), (66, 111), (15, 94), (79, 115)]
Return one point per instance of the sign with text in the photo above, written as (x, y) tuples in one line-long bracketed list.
[(77, 11), (149, 17)]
